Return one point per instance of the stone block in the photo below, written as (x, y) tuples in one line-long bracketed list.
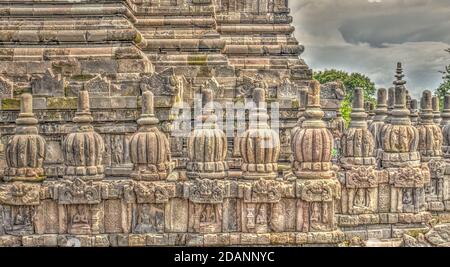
[(194, 240)]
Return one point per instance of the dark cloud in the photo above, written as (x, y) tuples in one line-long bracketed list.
[(370, 36), (417, 26)]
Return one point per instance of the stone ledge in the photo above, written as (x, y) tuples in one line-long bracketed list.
[(174, 239)]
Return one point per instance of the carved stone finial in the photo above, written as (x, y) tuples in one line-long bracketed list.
[(414, 112), (302, 102), (399, 75), (446, 111), (314, 113), (83, 163), (436, 110), (313, 143), (430, 136), (25, 151), (446, 127), (147, 116), (259, 145), (380, 117), (83, 114), (207, 145), (149, 147)]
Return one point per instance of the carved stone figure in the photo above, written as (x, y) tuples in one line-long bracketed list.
[(149, 148), (25, 151)]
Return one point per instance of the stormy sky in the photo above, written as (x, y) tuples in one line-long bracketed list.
[(370, 36)]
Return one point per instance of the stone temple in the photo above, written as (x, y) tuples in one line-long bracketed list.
[(89, 156)]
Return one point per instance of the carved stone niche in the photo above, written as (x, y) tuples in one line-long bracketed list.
[(82, 209), (435, 190), (260, 212), (360, 191), (48, 84), (407, 188), (316, 205), (148, 214), (206, 203), (18, 202)]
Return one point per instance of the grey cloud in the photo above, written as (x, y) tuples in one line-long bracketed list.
[(358, 36)]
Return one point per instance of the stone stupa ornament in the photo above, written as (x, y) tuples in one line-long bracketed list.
[(379, 118), (436, 110), (357, 142), (316, 184), (83, 148), (259, 145), (207, 144), (26, 149), (312, 145), (446, 127), (149, 147), (430, 135), (399, 138)]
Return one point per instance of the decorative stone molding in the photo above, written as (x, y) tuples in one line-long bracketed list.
[(149, 148), (26, 149), (78, 191), (263, 191), (207, 191), (19, 194), (165, 83)]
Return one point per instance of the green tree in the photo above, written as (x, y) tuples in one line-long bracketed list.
[(350, 81), (444, 88)]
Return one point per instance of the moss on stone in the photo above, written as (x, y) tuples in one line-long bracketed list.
[(138, 38), (82, 77), (295, 103), (197, 60), (10, 104), (19, 91), (62, 103)]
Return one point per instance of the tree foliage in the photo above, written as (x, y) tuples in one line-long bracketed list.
[(351, 81), (444, 88)]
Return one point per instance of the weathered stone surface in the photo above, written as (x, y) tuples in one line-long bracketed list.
[(117, 176)]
